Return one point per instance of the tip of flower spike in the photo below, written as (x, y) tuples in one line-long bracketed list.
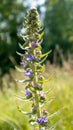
[(33, 9)]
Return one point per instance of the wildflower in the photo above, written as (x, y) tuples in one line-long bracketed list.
[(28, 72), (42, 95), (34, 44), (43, 120), (30, 58), (35, 80), (24, 63), (28, 93)]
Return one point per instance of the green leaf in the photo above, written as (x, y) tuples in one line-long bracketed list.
[(24, 37), (20, 54), (22, 81), (33, 122), (47, 79), (21, 46), (41, 56), (42, 69), (45, 56), (43, 59), (20, 70), (26, 113), (40, 36), (20, 98)]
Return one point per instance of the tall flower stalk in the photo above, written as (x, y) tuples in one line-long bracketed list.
[(33, 67)]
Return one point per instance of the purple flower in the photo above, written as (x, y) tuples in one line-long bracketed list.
[(42, 120), (30, 57), (28, 72), (42, 95), (34, 44), (24, 63), (35, 86), (27, 92)]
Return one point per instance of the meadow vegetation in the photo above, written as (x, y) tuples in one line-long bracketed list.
[(59, 104)]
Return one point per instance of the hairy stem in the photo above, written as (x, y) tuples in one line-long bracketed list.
[(36, 96)]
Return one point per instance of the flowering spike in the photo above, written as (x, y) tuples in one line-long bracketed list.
[(33, 69)]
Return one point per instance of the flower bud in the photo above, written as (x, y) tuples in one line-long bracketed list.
[(28, 73), (28, 93)]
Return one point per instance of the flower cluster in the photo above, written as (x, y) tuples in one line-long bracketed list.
[(32, 64), (42, 121)]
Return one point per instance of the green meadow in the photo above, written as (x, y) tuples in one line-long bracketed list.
[(59, 103)]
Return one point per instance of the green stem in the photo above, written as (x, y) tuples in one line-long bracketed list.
[(38, 107), (37, 96), (37, 104)]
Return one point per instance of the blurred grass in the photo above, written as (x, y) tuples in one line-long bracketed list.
[(60, 91)]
